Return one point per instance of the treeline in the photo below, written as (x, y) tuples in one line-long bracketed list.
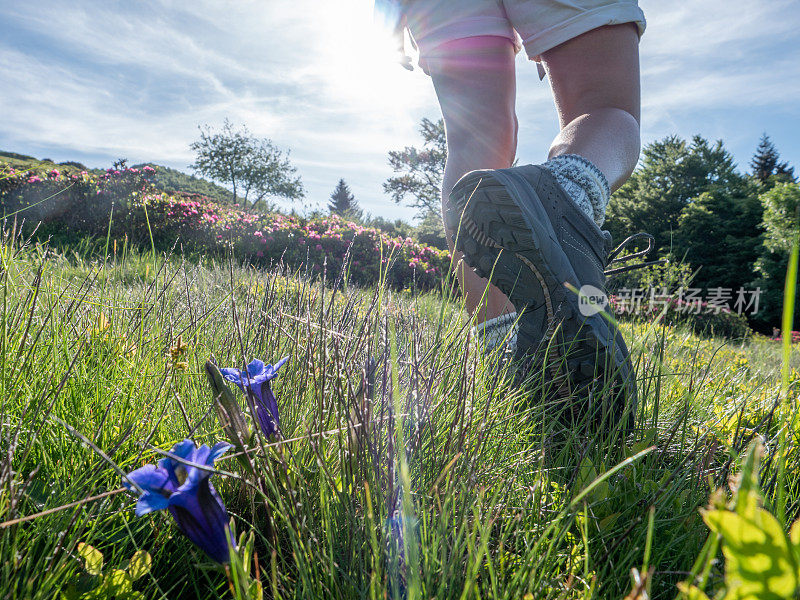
[(733, 229)]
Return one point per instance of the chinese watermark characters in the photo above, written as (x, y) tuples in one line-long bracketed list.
[(686, 300)]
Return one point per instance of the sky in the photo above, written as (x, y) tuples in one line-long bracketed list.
[(93, 81)]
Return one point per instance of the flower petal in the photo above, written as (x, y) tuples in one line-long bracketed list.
[(232, 375), (280, 363), (194, 475), (184, 449), (203, 455), (202, 517), (272, 370), (255, 368), (150, 478), (267, 412), (199, 456), (218, 450), (150, 502), (157, 486)]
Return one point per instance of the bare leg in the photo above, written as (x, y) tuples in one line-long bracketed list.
[(595, 82), (475, 83)]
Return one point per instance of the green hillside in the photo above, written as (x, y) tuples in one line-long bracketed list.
[(23, 161), (165, 178), (172, 180)]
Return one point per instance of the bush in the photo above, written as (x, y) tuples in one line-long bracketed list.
[(671, 275), (642, 295), (69, 203), (317, 243), (702, 318), (430, 230), (781, 204), (72, 206), (72, 163)]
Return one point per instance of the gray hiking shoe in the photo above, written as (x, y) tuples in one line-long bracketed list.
[(519, 229)]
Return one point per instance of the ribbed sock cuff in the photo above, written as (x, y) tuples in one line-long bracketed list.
[(584, 183), (493, 332)]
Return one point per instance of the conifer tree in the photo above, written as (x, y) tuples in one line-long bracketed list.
[(343, 203), (766, 162)]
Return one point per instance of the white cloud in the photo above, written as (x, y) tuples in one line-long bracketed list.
[(698, 28), (109, 80)]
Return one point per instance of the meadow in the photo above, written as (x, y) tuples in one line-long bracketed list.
[(407, 465)]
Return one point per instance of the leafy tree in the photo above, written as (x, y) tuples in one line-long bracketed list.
[(719, 235), (253, 167), (430, 230), (419, 183), (672, 173), (398, 227), (781, 204), (702, 212), (343, 203), (766, 162)]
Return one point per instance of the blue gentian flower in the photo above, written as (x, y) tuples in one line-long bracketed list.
[(256, 379), (186, 492)]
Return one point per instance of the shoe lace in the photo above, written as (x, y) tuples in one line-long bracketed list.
[(615, 258)]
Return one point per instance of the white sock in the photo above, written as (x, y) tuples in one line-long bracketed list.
[(500, 330), (584, 183)]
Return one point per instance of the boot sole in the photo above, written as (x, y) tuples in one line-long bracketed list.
[(506, 236)]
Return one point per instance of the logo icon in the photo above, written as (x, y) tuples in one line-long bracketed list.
[(591, 300)]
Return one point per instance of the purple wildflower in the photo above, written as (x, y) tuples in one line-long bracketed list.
[(186, 492), (256, 379)]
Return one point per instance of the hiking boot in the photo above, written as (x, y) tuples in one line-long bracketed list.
[(519, 229)]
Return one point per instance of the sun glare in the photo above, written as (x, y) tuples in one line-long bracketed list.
[(361, 60)]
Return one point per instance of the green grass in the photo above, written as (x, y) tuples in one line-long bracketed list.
[(500, 498)]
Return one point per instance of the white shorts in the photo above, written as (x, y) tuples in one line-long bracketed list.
[(536, 25)]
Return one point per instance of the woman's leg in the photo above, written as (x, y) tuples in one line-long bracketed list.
[(475, 83), (595, 82)]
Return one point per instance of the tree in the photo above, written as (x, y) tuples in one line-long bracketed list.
[(701, 210), (253, 167), (419, 183), (785, 172), (343, 203), (719, 235), (765, 162), (672, 173), (396, 228), (430, 230), (780, 222)]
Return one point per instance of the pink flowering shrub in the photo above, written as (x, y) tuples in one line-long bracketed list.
[(204, 226), (69, 202), (74, 205), (795, 337)]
